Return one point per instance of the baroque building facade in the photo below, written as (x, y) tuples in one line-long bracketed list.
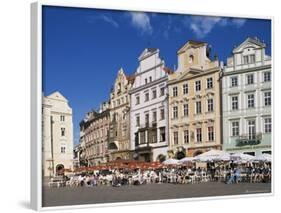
[(194, 102), (57, 135), (95, 128), (149, 112), (247, 101), (119, 128)]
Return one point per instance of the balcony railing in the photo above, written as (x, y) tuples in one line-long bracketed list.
[(148, 125), (249, 140)]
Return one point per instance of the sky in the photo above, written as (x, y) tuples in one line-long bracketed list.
[(83, 49)]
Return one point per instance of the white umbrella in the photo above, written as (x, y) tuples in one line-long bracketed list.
[(263, 157), (171, 161), (240, 157), (186, 160), (213, 155)]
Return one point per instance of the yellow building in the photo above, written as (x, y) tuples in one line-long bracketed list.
[(194, 102)]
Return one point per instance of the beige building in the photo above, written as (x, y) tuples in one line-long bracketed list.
[(119, 130), (95, 128), (57, 135), (194, 102)]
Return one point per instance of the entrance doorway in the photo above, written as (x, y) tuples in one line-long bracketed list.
[(60, 169)]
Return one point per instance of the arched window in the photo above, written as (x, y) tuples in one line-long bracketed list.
[(190, 59)]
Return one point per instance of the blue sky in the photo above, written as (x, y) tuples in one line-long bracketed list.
[(84, 48)]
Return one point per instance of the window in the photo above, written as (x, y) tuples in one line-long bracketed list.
[(62, 131), (197, 85), (198, 107), (210, 105), (235, 128), (162, 134), (137, 120), (234, 81), (118, 102), (234, 103), (147, 119), (186, 136), (154, 116), (154, 95), (246, 59), (252, 129), (176, 138), (267, 125), (142, 137), (209, 83), (266, 76), (251, 101), (175, 91), (62, 118), (145, 81), (252, 58), (198, 135), (267, 98), (185, 89), (137, 100), (185, 110), (153, 135), (175, 112), (211, 133), (162, 91), (190, 59), (250, 79), (62, 149), (150, 79), (162, 114), (146, 96)]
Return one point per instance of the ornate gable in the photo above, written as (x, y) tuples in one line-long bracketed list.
[(191, 44), (57, 96), (147, 52), (249, 43), (188, 73)]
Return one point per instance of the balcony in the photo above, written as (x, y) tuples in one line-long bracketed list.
[(249, 140), (147, 125), (145, 137)]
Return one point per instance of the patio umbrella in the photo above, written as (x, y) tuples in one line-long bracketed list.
[(263, 157), (187, 160), (171, 161), (213, 155), (240, 157)]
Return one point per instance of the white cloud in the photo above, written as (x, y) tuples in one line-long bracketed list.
[(109, 20), (203, 25), (141, 21), (238, 22)]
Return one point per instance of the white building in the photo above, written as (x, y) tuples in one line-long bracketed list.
[(246, 90), (149, 116), (57, 135)]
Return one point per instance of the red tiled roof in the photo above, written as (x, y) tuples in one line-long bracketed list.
[(168, 70), (130, 78)]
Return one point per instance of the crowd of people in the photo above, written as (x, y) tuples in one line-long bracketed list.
[(229, 174)]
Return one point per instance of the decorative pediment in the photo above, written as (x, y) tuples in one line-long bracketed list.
[(57, 96), (147, 52), (249, 43), (198, 96), (210, 94), (189, 73), (191, 44)]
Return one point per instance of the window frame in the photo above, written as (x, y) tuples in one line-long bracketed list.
[(210, 84)]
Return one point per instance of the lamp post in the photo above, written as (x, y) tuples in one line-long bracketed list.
[(52, 146)]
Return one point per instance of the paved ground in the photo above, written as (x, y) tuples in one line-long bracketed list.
[(108, 194)]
